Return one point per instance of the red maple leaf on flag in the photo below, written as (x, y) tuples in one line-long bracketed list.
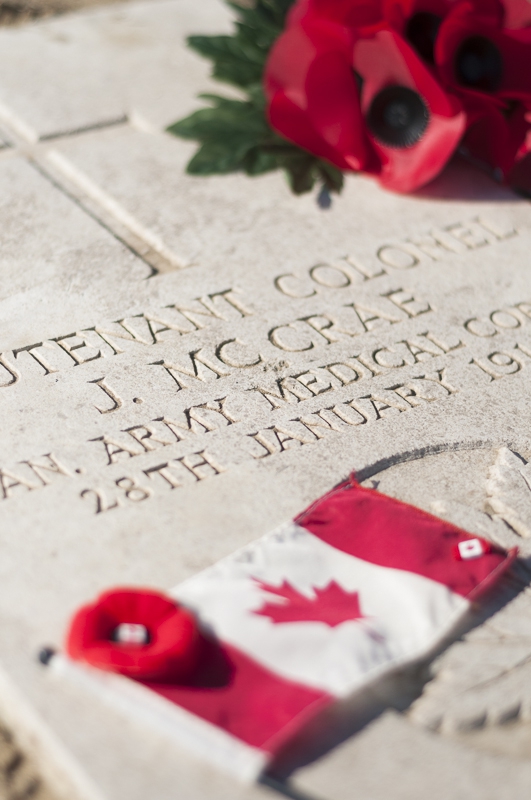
[(331, 605)]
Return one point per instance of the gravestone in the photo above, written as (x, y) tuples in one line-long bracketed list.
[(187, 363)]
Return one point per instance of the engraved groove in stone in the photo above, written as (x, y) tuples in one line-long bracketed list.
[(78, 187), (509, 491)]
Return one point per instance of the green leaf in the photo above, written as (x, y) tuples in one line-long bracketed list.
[(216, 159), (233, 62), (331, 176), (235, 135), (257, 161), (227, 120), (300, 171), (240, 59)]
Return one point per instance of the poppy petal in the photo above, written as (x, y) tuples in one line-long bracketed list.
[(353, 13), (474, 56), (491, 138), (517, 13), (313, 96), (388, 61), (520, 176)]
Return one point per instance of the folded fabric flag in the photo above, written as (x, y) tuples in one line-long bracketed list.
[(296, 623)]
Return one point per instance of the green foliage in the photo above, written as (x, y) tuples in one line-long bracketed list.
[(240, 59), (234, 135)]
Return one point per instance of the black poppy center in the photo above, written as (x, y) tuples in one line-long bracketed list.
[(421, 32), (479, 64), (398, 116)]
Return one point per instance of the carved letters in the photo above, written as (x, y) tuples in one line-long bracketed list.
[(26, 476), (193, 467), (499, 321), (361, 410), (439, 245), (300, 386), (351, 320), (351, 364), (111, 339)]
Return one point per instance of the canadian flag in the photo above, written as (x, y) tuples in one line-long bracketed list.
[(307, 616)]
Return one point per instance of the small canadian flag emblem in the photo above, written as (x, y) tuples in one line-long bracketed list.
[(472, 548), (299, 621)]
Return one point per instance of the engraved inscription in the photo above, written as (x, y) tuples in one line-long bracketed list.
[(114, 338), (438, 245), (191, 468), (34, 473), (372, 359)]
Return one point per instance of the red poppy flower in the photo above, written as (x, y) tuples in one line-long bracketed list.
[(312, 90), (136, 632), (517, 13), (349, 90), (487, 64), (394, 87), (520, 175), (413, 125)]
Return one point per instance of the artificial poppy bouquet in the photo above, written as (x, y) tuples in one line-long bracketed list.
[(391, 88)]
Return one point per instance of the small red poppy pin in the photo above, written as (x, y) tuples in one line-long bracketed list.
[(391, 88), (139, 633)]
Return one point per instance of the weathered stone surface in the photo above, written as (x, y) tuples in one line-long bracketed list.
[(55, 261), (392, 756), (260, 349), (123, 60)]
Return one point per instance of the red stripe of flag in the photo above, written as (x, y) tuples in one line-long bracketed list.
[(384, 531), (245, 699)]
